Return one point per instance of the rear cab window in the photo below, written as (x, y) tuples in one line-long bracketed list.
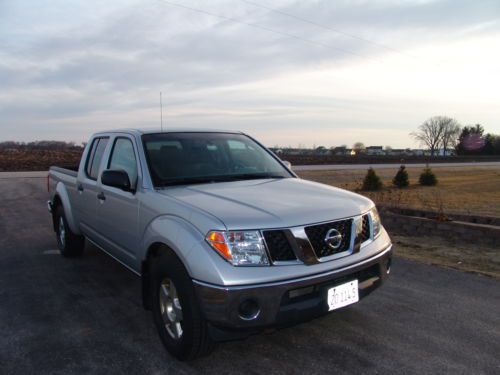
[(95, 157)]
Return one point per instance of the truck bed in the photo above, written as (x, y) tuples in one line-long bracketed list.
[(70, 170)]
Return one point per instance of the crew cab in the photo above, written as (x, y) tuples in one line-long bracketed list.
[(226, 238)]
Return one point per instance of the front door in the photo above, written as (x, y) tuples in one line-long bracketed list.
[(118, 210)]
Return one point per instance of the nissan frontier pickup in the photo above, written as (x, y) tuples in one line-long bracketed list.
[(225, 237)]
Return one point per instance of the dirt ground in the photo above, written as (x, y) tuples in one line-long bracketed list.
[(445, 252), (37, 160), (467, 190)]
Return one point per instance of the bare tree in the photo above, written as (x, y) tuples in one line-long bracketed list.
[(430, 133), (358, 146), (451, 133)]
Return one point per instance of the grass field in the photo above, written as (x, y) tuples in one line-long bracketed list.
[(447, 252), (466, 190)]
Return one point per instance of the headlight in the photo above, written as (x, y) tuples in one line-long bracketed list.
[(240, 248), (376, 223)]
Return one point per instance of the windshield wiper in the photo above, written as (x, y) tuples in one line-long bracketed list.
[(221, 178), (187, 181), (253, 176)]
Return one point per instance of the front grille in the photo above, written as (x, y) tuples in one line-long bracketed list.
[(278, 245), (317, 234), (365, 229)]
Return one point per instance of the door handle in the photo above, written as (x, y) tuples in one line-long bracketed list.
[(79, 187), (101, 196)]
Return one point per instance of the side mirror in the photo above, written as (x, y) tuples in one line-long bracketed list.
[(287, 164), (117, 178)]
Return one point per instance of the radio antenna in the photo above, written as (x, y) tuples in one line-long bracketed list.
[(161, 114)]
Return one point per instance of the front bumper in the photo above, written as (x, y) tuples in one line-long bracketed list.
[(286, 302)]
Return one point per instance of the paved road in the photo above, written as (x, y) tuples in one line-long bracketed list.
[(319, 167), (388, 166), (85, 316), (27, 174)]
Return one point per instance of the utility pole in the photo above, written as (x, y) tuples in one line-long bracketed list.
[(161, 114)]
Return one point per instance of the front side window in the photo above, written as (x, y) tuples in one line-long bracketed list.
[(185, 158), (123, 157), (95, 157)]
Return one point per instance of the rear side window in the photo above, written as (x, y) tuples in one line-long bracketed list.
[(95, 157), (90, 157), (123, 157)]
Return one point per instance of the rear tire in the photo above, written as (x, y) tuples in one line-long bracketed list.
[(176, 313), (69, 244)]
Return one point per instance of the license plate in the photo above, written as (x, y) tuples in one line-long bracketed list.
[(343, 295)]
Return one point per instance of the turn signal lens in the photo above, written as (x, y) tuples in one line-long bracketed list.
[(377, 224), (218, 242), (240, 248)]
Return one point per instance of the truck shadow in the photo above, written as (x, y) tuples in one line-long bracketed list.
[(335, 341)]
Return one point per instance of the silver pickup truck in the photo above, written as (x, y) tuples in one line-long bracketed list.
[(226, 238)]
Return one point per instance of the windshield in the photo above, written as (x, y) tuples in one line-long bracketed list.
[(187, 158)]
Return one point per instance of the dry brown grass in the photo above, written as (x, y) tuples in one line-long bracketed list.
[(466, 190), (446, 252)]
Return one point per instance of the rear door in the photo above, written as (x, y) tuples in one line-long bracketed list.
[(117, 210), (86, 197)]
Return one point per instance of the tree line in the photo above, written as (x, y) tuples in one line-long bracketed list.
[(445, 133), (39, 145)]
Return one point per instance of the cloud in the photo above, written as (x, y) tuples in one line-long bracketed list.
[(69, 69)]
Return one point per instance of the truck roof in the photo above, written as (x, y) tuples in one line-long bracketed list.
[(141, 131)]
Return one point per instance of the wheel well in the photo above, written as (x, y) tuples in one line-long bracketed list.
[(154, 250), (55, 203)]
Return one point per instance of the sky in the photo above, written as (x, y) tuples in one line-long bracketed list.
[(290, 73)]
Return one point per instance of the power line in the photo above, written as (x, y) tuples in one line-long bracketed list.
[(256, 26), (327, 27)]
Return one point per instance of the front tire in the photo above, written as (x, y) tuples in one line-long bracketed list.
[(176, 313), (69, 244)]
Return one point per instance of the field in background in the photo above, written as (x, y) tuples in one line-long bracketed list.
[(37, 160), (40, 157), (466, 190)]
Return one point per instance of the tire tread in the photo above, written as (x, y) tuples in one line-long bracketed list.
[(200, 343)]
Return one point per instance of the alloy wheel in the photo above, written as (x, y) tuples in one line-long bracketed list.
[(171, 309)]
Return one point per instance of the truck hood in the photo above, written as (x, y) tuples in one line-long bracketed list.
[(270, 203)]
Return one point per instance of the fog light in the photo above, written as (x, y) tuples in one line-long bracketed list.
[(388, 266), (249, 309)]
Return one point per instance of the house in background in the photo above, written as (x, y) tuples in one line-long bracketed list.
[(369, 151), (321, 150), (288, 151), (374, 150), (342, 151), (396, 152), (449, 152)]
